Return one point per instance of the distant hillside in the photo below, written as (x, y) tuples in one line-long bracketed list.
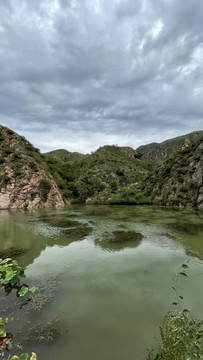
[(64, 155), (156, 153), (25, 180), (179, 181), (121, 164), (107, 169)]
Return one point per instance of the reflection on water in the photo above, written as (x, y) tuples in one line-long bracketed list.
[(114, 268)]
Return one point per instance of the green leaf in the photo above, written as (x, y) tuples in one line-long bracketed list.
[(2, 329), (29, 297), (183, 273), (5, 260), (185, 266), (14, 280), (32, 289), (24, 356), (23, 291), (8, 344), (21, 275), (15, 262), (9, 274)]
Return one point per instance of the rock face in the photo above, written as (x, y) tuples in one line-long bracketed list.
[(25, 181), (179, 181)]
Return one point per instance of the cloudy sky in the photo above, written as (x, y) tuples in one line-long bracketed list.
[(79, 74)]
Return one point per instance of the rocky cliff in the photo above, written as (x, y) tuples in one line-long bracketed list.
[(25, 181)]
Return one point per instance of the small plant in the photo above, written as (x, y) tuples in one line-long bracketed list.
[(181, 334), (23, 357), (11, 275), (5, 338), (5, 178)]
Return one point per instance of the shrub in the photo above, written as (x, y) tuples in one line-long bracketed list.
[(129, 196), (33, 195), (119, 172), (29, 147), (7, 150), (44, 188), (2, 160), (183, 188), (114, 186), (181, 337), (5, 178), (10, 132), (137, 155)]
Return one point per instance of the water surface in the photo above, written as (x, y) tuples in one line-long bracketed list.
[(113, 268)]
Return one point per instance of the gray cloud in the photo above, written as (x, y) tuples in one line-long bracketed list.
[(79, 74)]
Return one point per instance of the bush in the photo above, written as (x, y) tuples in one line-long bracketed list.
[(119, 172), (10, 132), (5, 178), (44, 188), (181, 337), (7, 150), (114, 186), (2, 160), (129, 196), (137, 155)]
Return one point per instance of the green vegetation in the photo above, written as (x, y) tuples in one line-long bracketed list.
[(178, 177), (7, 150), (156, 153), (11, 275), (5, 178), (129, 196), (106, 173), (24, 356), (44, 188), (181, 334)]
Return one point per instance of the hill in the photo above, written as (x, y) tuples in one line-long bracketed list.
[(179, 180), (25, 180), (98, 175), (63, 156), (158, 152)]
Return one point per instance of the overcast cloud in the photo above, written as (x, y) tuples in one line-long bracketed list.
[(79, 74)]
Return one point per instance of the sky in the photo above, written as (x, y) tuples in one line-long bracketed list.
[(80, 74)]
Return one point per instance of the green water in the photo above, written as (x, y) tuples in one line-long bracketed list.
[(115, 268)]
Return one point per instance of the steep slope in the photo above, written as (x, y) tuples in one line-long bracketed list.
[(157, 153), (25, 181), (179, 181)]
